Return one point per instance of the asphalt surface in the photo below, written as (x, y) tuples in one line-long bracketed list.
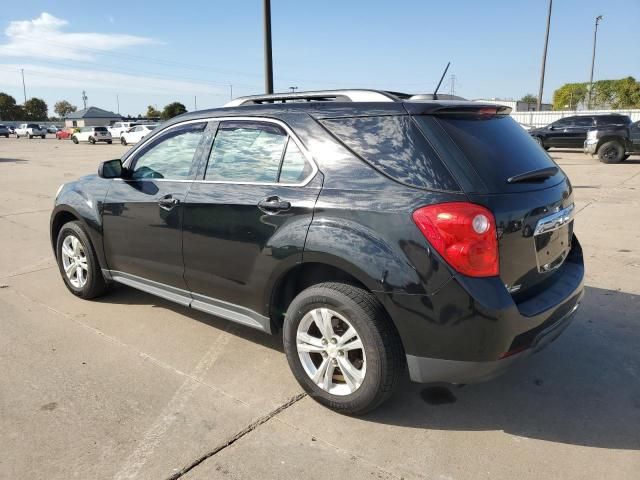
[(131, 386)]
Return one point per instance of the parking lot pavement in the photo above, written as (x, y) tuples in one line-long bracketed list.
[(131, 386)]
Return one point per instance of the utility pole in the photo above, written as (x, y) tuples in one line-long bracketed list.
[(84, 99), (544, 57), (593, 59), (195, 102), (293, 89), (118, 103), (453, 84), (230, 92), (24, 89), (268, 60)]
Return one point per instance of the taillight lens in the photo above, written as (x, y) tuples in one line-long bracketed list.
[(464, 234)]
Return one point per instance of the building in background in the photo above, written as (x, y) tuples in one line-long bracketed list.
[(516, 105), (92, 116)]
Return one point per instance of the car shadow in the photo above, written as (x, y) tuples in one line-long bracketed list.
[(123, 295), (12, 160), (584, 389)]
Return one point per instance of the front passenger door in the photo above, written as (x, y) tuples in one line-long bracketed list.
[(142, 213)]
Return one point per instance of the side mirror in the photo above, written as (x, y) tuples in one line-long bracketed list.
[(551, 127), (110, 169)]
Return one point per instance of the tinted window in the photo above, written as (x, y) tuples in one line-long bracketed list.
[(33, 125), (171, 155), (563, 122), (613, 120), (295, 167), (496, 147), (101, 129), (583, 122), (396, 147), (246, 152)]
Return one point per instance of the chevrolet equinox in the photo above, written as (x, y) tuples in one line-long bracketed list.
[(376, 231)]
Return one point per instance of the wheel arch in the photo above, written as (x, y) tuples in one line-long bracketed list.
[(610, 138)]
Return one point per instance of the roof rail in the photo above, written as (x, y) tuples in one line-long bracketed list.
[(355, 95)]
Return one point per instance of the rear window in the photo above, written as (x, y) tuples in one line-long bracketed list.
[(100, 129), (33, 125), (496, 146), (394, 146)]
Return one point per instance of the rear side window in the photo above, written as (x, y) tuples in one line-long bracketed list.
[(394, 146), (246, 152), (496, 147), (583, 122), (613, 120)]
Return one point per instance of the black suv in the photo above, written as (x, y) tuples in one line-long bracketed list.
[(613, 144), (571, 132), (375, 231)]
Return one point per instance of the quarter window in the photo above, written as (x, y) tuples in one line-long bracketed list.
[(295, 167), (170, 156), (246, 152)]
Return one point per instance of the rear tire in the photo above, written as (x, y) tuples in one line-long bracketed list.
[(92, 140), (109, 142), (373, 369), (611, 152), (74, 251), (74, 140), (123, 141), (29, 136)]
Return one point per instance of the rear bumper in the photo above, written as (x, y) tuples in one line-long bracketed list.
[(471, 330), (432, 370)]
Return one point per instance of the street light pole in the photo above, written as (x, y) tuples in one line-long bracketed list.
[(593, 58), (268, 61), (24, 89), (544, 57)]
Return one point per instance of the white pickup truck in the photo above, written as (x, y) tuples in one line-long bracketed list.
[(31, 130)]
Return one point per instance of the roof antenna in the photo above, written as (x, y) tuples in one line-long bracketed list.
[(435, 93)]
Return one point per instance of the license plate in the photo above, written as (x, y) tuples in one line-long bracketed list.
[(552, 238)]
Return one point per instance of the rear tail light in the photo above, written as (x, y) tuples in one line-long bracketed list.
[(464, 234)]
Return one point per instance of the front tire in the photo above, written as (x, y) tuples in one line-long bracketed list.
[(78, 263), (29, 136), (611, 152), (109, 142), (342, 348), (123, 141), (92, 140), (74, 140)]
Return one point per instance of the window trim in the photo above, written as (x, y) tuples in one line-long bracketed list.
[(292, 136)]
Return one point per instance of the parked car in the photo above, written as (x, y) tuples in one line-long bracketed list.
[(135, 134), (4, 131), (374, 234), (571, 132), (30, 130), (12, 129), (118, 128), (613, 144), (52, 129), (65, 133), (91, 135)]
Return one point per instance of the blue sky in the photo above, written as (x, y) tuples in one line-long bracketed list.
[(157, 52)]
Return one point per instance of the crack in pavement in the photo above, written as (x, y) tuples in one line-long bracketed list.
[(248, 429)]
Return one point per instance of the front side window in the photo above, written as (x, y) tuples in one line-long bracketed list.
[(246, 151), (171, 155)]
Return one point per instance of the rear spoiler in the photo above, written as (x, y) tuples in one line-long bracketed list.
[(444, 107)]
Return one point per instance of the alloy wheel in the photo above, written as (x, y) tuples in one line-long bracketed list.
[(74, 261), (331, 351)]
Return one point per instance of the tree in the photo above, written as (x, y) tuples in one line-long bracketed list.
[(172, 110), (35, 109), (8, 107), (152, 112), (64, 108), (529, 98), (569, 96)]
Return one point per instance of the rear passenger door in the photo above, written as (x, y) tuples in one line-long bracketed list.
[(246, 217)]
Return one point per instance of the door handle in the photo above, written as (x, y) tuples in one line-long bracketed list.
[(273, 205), (168, 202)]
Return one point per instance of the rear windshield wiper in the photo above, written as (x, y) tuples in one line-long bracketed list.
[(540, 174)]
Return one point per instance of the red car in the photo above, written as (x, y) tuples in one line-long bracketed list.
[(64, 134)]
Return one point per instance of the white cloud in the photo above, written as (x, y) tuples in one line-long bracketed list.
[(44, 37), (71, 78)]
